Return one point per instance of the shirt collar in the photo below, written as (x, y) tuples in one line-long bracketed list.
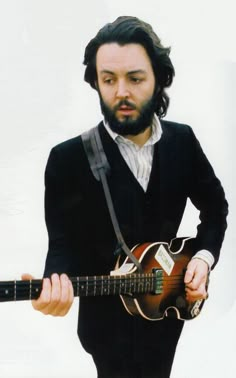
[(154, 138)]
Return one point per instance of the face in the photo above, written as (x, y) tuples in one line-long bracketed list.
[(126, 84)]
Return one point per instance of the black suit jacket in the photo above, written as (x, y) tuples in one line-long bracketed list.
[(81, 237)]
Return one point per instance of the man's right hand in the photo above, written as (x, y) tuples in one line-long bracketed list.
[(56, 297)]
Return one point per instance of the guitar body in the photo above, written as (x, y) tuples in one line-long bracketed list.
[(170, 262)]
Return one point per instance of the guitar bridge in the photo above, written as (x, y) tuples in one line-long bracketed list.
[(158, 281)]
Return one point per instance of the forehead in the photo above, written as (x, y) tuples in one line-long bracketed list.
[(129, 57)]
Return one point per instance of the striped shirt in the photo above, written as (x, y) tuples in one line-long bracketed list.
[(139, 160)]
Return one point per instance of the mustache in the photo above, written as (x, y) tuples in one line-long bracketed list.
[(122, 103)]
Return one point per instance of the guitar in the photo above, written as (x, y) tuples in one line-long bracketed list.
[(156, 292)]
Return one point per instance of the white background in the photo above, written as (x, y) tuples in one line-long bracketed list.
[(44, 101)]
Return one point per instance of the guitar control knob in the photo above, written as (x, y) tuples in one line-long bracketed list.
[(180, 302)]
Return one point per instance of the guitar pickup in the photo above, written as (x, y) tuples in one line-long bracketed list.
[(158, 281)]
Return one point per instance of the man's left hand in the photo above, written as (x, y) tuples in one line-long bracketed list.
[(196, 280)]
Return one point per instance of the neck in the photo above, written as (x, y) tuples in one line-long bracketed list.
[(141, 138)]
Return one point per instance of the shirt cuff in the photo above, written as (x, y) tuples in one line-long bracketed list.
[(205, 256)]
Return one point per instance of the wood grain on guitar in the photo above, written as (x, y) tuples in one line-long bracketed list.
[(156, 292)]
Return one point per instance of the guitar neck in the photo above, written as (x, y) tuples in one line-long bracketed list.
[(83, 286)]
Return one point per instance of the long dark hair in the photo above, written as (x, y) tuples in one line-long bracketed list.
[(127, 29)]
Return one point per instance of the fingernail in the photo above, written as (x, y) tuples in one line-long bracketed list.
[(46, 281), (64, 277)]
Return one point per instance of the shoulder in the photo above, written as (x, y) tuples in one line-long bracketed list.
[(67, 157), (175, 128), (177, 132), (67, 146), (71, 147)]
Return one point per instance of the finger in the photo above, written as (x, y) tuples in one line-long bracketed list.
[(193, 295), (26, 277), (43, 302), (195, 283), (189, 275), (51, 297), (66, 298), (64, 288), (198, 269), (56, 290), (200, 278)]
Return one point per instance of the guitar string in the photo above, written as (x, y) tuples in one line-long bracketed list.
[(30, 285), (95, 279), (140, 287)]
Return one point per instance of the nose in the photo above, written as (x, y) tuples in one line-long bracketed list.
[(122, 89)]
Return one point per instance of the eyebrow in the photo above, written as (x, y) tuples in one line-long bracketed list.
[(134, 72), (128, 73)]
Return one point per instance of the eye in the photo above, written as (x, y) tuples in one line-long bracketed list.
[(135, 80), (108, 81)]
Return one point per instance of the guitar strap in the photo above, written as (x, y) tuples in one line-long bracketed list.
[(101, 169)]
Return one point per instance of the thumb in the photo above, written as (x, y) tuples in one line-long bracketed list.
[(190, 272), (188, 275), (26, 277)]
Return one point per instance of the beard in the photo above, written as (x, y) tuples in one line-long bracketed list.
[(129, 126)]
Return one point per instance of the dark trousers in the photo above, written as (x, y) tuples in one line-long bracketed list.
[(152, 360)]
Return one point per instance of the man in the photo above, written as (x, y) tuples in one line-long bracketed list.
[(155, 166)]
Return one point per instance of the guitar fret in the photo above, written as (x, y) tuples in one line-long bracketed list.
[(30, 289), (114, 287), (134, 282), (95, 286), (145, 286), (122, 284), (146, 283), (140, 285), (125, 284), (77, 286), (86, 286), (130, 284), (149, 283), (108, 285), (15, 291), (102, 286)]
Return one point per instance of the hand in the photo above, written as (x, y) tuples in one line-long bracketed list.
[(196, 280), (56, 297)]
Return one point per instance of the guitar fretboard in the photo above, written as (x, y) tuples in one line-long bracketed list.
[(86, 286)]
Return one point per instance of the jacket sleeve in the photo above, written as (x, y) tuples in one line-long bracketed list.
[(58, 259), (207, 195)]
